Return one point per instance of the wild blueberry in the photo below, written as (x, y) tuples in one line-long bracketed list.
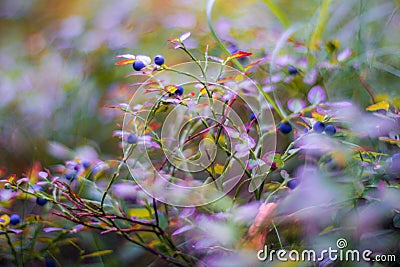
[(285, 127), (7, 186), (292, 184), (85, 164), (252, 116), (292, 70), (138, 65), (15, 219), (70, 175), (159, 60), (319, 127), (179, 91), (330, 130), (76, 167), (41, 201), (50, 263), (131, 139)]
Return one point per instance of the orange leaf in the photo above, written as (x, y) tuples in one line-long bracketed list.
[(252, 64), (124, 62), (257, 232)]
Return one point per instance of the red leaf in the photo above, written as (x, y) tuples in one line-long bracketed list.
[(240, 54)]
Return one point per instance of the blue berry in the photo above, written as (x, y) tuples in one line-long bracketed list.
[(41, 201), (319, 127), (138, 65), (179, 90), (285, 127), (252, 116), (330, 130), (86, 164), (159, 60), (292, 184), (70, 175), (50, 263), (76, 167), (15, 219), (131, 139), (292, 70)]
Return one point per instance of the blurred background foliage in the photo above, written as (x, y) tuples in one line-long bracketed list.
[(57, 73)]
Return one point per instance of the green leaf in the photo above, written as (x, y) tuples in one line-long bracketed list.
[(97, 254)]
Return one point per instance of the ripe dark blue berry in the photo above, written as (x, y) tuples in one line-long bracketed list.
[(41, 201), (285, 127), (179, 90), (159, 60), (252, 116), (292, 184), (15, 219), (50, 263), (330, 130), (292, 70), (131, 139), (86, 164), (138, 65), (319, 127), (70, 175)]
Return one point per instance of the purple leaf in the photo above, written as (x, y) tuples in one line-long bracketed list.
[(186, 212), (316, 95), (16, 231), (296, 105), (345, 54), (184, 36), (183, 229), (52, 229)]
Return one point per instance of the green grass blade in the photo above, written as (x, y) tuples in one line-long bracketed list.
[(321, 22), (279, 14)]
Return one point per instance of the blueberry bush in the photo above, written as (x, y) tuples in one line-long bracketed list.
[(199, 136)]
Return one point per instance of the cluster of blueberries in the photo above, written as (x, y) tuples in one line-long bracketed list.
[(318, 127), (139, 65), (159, 60)]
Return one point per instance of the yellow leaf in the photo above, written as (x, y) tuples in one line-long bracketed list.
[(218, 169), (171, 88), (203, 91), (139, 212), (381, 105), (318, 117), (239, 78), (154, 243), (4, 220)]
